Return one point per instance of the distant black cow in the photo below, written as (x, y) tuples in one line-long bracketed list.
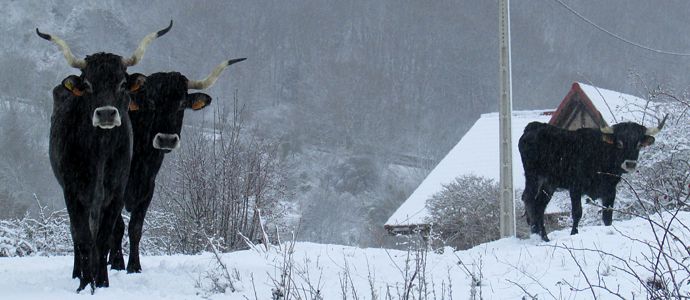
[(90, 150), (157, 112), (585, 162)]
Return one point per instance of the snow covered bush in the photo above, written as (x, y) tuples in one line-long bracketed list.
[(465, 213), (46, 234), (663, 175)]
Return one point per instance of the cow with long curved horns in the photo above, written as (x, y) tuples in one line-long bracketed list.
[(91, 148), (586, 161), (157, 112)]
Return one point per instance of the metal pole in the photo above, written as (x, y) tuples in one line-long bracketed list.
[(507, 223)]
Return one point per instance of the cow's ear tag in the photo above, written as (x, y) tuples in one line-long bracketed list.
[(133, 106), (648, 140), (197, 101), (71, 83), (607, 138)]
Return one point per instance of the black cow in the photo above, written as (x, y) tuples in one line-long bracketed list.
[(157, 112), (90, 150), (585, 162)]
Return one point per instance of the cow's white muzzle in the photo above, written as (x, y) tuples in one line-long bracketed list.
[(629, 165), (106, 117), (166, 141)]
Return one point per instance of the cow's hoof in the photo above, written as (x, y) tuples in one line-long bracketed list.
[(102, 283), (574, 231), (534, 229), (133, 268), (117, 264), (545, 238), (83, 283)]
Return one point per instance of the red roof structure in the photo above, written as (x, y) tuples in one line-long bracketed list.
[(577, 111)]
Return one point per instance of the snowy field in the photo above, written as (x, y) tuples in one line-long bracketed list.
[(506, 269)]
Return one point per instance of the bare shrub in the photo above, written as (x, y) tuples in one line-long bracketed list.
[(222, 181)]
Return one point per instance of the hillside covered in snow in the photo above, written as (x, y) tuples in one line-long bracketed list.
[(616, 262)]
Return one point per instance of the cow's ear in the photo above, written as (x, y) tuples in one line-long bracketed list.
[(135, 82), (608, 138), (647, 140), (197, 101), (74, 84)]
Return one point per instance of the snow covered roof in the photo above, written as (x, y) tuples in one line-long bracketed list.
[(476, 153)]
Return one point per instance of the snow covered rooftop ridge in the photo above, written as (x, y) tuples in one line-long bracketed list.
[(616, 107), (476, 153)]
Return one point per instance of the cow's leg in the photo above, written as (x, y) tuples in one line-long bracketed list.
[(110, 215), (607, 214), (539, 221), (84, 248), (529, 198), (576, 207), (76, 270), (543, 198), (136, 224), (116, 260)]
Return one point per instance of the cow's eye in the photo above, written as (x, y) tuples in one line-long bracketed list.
[(88, 88), (619, 144), (122, 86)]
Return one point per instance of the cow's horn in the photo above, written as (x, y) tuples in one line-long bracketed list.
[(139, 53), (71, 60), (211, 78), (655, 130), (606, 129)]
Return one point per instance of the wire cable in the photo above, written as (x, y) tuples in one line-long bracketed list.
[(618, 37)]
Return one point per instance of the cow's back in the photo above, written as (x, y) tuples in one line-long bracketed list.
[(560, 155)]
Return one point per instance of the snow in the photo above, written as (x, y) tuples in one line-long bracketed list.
[(616, 107), (476, 153), (506, 265)]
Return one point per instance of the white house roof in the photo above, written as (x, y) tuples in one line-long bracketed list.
[(476, 153), (616, 107)]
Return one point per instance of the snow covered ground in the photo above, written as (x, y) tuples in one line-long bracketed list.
[(507, 269)]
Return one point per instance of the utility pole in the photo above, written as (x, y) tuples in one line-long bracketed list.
[(507, 205)]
